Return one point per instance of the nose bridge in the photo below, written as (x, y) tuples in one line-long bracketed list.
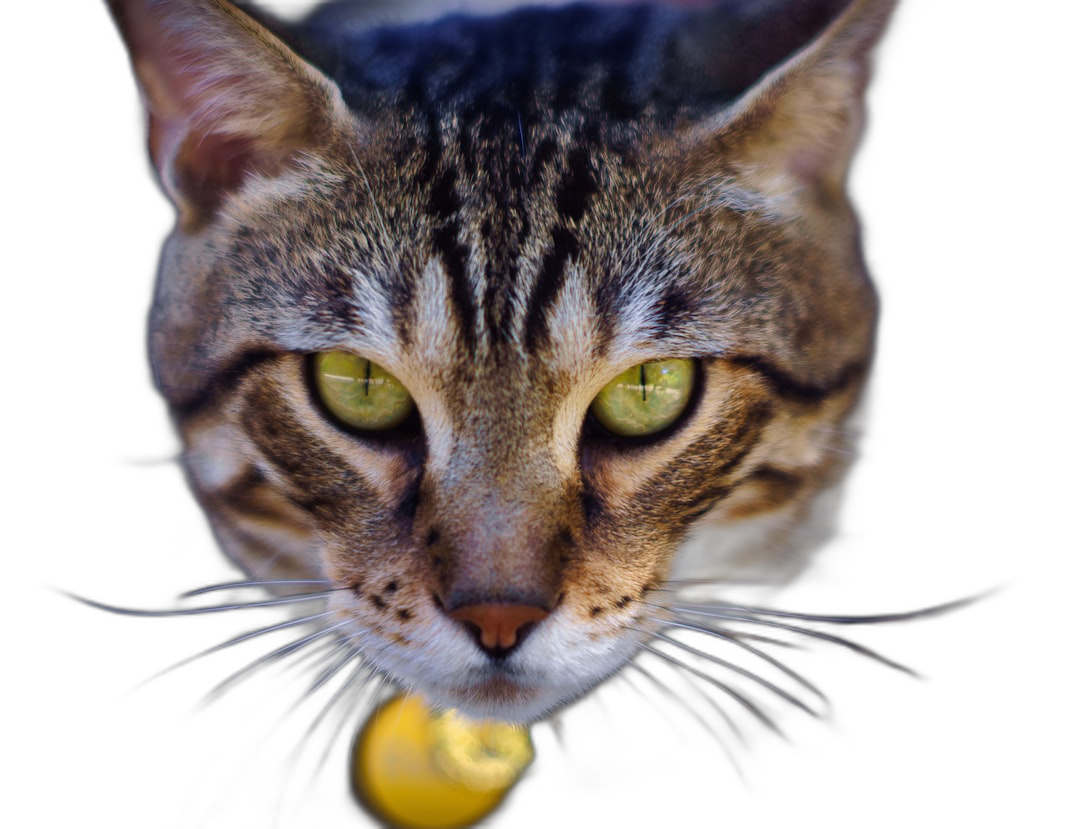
[(499, 511), (501, 447)]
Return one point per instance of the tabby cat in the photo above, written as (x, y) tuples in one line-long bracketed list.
[(495, 330)]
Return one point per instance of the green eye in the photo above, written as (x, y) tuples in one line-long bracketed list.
[(645, 399), (360, 393)]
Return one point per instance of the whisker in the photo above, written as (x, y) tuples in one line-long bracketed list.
[(912, 615), (236, 585), (776, 663), (352, 688), (720, 581), (127, 611), (724, 715), (816, 634), (727, 689), (273, 656), (731, 666), (254, 635), (331, 672)]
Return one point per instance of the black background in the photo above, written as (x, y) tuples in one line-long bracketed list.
[(940, 510)]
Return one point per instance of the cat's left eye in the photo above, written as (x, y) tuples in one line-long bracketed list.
[(360, 393), (645, 399)]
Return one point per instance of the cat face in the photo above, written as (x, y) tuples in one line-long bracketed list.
[(505, 256)]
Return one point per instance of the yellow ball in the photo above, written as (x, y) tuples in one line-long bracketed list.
[(417, 769)]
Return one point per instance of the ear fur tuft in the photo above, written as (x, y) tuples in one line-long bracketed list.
[(225, 98), (796, 129)]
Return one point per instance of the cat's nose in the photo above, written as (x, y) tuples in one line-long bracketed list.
[(499, 627)]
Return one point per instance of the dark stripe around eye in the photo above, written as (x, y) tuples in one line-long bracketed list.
[(792, 388), (222, 381)]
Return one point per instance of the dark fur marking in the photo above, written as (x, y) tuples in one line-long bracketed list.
[(223, 381), (564, 246), (410, 499), (774, 476), (238, 490), (578, 187), (543, 156), (784, 385), (454, 256), (444, 204), (703, 502), (591, 504), (672, 309), (444, 201), (747, 436), (298, 455)]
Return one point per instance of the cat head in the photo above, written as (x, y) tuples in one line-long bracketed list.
[(497, 218)]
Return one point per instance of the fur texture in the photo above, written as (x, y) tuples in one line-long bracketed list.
[(130, 537), (506, 213)]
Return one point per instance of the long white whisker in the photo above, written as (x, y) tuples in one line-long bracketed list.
[(882, 618), (332, 671), (727, 689), (352, 688), (236, 641), (124, 611), (273, 656), (731, 666), (816, 634), (727, 636), (727, 718), (237, 585)]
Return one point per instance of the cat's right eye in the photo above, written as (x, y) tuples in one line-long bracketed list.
[(360, 393)]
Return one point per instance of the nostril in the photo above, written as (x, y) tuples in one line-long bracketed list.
[(499, 627)]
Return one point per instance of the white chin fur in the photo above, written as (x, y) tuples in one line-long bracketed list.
[(556, 665)]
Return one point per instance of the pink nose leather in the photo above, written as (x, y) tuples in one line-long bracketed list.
[(499, 624)]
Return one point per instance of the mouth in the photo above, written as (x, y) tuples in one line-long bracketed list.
[(499, 693)]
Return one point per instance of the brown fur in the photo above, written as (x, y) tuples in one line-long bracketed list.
[(305, 227)]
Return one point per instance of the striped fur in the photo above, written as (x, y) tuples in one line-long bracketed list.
[(506, 213)]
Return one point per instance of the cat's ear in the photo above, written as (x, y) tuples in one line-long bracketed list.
[(225, 97), (796, 128)]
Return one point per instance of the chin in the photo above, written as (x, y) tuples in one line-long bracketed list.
[(500, 696)]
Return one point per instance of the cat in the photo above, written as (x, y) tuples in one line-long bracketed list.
[(492, 333), (755, 378)]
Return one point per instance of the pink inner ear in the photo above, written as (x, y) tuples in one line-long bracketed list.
[(208, 167), (225, 98)]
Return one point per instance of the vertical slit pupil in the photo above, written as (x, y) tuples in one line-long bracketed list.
[(367, 377), (644, 393)]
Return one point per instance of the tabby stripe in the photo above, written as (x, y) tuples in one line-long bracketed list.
[(578, 187), (575, 193), (704, 502), (252, 497), (444, 204), (775, 477), (224, 380), (785, 385), (317, 473), (552, 276), (745, 441), (747, 436)]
